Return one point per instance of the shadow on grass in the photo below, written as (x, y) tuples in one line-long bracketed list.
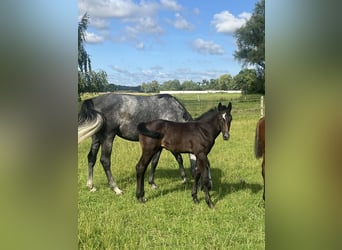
[(220, 188)]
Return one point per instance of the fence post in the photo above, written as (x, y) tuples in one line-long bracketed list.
[(262, 106)]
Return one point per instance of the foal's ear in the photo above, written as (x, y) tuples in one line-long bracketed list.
[(219, 107), (229, 106)]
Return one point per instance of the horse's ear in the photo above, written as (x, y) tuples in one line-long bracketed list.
[(229, 106), (219, 106)]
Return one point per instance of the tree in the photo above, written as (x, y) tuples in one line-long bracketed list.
[(171, 85), (152, 87), (225, 82), (84, 64), (251, 41), (190, 85), (88, 80), (248, 81)]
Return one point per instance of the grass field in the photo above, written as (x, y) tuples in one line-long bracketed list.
[(169, 219)]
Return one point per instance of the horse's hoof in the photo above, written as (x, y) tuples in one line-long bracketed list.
[(118, 191), (185, 180), (93, 189), (196, 201), (154, 186), (142, 199)]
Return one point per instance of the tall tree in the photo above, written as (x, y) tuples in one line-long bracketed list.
[(84, 63), (251, 41)]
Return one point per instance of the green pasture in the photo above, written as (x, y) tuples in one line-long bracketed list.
[(169, 219)]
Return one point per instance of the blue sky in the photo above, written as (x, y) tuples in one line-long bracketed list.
[(142, 41)]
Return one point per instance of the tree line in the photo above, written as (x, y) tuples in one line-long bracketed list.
[(246, 80), (251, 52)]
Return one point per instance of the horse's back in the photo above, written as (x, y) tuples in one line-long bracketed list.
[(123, 112)]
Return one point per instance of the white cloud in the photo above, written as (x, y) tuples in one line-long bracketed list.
[(158, 73), (144, 25), (182, 23), (93, 38), (207, 47), (99, 23), (140, 45), (226, 22), (116, 8), (197, 11), (171, 5)]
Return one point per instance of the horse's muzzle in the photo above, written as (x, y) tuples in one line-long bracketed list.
[(226, 136)]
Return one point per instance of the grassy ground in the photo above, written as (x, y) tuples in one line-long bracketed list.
[(169, 219)]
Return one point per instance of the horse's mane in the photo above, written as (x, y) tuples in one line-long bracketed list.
[(165, 96), (207, 114)]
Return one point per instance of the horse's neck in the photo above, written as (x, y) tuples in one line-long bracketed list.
[(213, 125)]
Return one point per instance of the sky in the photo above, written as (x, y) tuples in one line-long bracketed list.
[(137, 42)]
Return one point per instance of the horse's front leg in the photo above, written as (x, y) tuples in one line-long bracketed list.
[(197, 174), (202, 167), (206, 185), (195, 186)]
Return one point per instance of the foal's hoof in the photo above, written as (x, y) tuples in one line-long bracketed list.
[(211, 205), (196, 201), (154, 186), (185, 180), (142, 199), (93, 189)]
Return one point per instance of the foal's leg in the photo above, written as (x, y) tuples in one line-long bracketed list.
[(210, 184), (179, 159), (197, 174), (202, 170), (94, 149), (154, 163), (206, 181), (106, 152), (141, 167), (192, 158)]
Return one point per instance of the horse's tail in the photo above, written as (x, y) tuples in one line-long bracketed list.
[(89, 121), (144, 131), (257, 142)]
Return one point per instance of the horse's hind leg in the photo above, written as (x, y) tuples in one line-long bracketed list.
[(106, 152), (181, 166), (141, 166), (94, 149), (154, 163)]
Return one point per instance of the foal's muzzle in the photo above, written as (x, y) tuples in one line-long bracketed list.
[(226, 136)]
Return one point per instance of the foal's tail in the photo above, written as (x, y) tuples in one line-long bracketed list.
[(257, 142), (89, 121), (144, 131)]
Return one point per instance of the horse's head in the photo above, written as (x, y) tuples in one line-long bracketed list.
[(225, 118)]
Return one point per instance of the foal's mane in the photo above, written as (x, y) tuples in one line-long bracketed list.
[(207, 115)]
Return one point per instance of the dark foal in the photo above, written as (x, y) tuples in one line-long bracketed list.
[(197, 137), (259, 146)]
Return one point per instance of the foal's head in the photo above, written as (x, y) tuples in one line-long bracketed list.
[(225, 119)]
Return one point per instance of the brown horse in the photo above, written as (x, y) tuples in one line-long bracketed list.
[(197, 137), (259, 146)]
